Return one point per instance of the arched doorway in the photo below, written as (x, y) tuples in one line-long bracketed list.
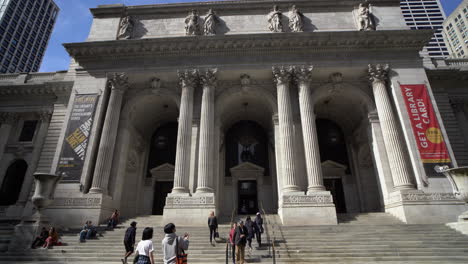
[(12, 183), (162, 152), (247, 142)]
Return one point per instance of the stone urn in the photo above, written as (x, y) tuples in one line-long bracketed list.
[(45, 188), (458, 178)]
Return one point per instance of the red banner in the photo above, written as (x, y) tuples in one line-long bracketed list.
[(425, 126)]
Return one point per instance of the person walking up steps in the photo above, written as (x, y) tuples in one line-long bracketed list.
[(240, 239), (213, 226), (232, 241), (172, 244), (251, 231), (145, 247), (129, 241)]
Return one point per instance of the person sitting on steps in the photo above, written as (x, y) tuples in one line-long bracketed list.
[(40, 240)]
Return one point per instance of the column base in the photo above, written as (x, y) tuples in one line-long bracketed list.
[(189, 210), (313, 209), (418, 207)]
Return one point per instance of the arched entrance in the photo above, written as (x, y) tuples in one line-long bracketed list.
[(12, 183)]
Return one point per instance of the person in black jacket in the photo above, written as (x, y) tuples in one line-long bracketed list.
[(240, 238), (39, 241), (259, 230), (213, 225), (129, 241), (250, 231)]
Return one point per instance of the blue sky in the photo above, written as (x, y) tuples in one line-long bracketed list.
[(75, 20)]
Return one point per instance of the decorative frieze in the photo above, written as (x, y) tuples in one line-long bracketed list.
[(189, 202), (396, 198), (76, 202), (8, 118), (307, 200)]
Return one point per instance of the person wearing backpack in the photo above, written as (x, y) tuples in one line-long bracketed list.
[(172, 244), (129, 241)]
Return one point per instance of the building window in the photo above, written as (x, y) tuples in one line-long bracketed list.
[(27, 133)]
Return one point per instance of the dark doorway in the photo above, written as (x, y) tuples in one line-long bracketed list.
[(335, 186), (12, 183), (161, 189), (248, 203), (163, 146)]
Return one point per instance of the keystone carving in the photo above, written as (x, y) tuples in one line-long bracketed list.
[(274, 20), (192, 24), (126, 28), (156, 85), (296, 20)]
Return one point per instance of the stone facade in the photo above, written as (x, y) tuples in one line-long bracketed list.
[(212, 67)]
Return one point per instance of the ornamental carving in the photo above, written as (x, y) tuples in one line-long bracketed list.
[(274, 20), (421, 197), (301, 200), (282, 74), (78, 202), (365, 18), (245, 83), (119, 82), (8, 118), (187, 202), (303, 74), (378, 73), (125, 28), (193, 24), (155, 85), (188, 78), (209, 78), (296, 20), (45, 116), (211, 22)]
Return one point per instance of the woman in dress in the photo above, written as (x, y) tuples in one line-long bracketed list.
[(145, 247), (52, 239)]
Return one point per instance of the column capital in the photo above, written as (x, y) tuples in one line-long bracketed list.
[(209, 78), (303, 74), (8, 117), (378, 73), (118, 81), (282, 74), (45, 115), (188, 78)]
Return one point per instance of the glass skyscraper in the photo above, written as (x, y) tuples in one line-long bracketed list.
[(25, 29), (427, 14)]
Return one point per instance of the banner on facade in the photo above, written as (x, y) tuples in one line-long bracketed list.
[(426, 128), (76, 137)]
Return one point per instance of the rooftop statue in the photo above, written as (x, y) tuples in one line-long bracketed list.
[(211, 21), (274, 20), (296, 20), (192, 24), (126, 28), (365, 17)]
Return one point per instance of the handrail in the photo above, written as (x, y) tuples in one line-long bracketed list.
[(228, 244), (269, 241)]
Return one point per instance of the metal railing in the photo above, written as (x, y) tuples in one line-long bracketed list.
[(228, 243), (270, 241)]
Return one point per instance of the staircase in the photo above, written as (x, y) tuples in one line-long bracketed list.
[(363, 238), (6, 232)]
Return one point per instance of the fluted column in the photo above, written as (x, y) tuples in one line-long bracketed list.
[(303, 76), (282, 78), (205, 150), (118, 84), (6, 120), (188, 80), (394, 142)]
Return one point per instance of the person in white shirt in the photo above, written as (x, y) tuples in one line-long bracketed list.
[(145, 248)]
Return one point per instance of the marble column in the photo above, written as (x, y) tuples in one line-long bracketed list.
[(282, 77), (205, 150), (458, 106), (303, 77), (188, 80), (7, 120), (118, 84), (394, 141)]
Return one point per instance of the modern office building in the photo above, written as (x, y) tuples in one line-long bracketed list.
[(427, 14), (25, 29), (456, 33)]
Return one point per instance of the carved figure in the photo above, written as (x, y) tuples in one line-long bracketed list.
[(296, 20), (126, 28), (192, 24), (274, 20), (211, 21), (365, 17)]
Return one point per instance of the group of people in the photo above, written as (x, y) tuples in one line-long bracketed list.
[(241, 234), (172, 245), (46, 239)]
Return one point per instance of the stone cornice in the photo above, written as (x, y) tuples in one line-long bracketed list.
[(255, 44), (37, 89), (229, 6)]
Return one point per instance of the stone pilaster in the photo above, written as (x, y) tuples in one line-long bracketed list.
[(394, 142), (7, 120), (206, 155), (188, 80), (118, 84), (282, 77), (303, 77)]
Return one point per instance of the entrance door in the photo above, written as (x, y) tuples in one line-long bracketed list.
[(161, 189), (248, 203), (335, 186)]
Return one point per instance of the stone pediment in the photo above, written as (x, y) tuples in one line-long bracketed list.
[(247, 167), (163, 167), (332, 168)]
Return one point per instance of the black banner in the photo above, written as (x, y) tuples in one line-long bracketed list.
[(76, 137)]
